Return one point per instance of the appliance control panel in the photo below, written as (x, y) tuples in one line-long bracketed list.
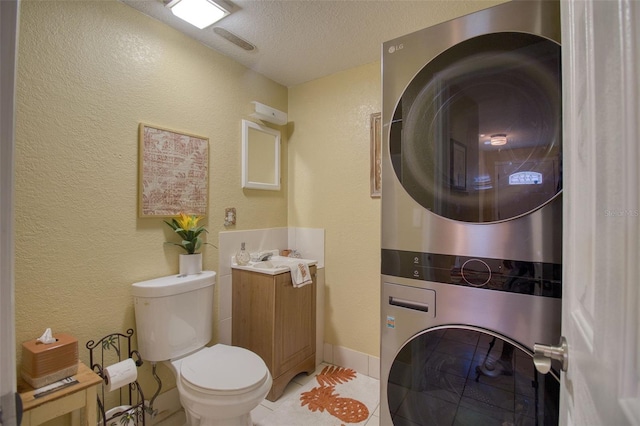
[(515, 276)]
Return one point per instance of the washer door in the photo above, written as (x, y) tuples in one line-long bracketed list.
[(463, 375), (476, 136)]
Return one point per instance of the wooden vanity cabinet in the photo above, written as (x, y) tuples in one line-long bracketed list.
[(277, 321)]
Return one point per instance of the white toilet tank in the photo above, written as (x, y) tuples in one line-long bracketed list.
[(174, 315)]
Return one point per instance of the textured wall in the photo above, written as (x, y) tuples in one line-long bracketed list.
[(88, 73), (329, 188)]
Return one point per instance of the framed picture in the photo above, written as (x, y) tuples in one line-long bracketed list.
[(376, 152), (458, 168), (173, 172)]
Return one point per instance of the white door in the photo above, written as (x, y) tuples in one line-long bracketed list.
[(601, 52), (8, 46)]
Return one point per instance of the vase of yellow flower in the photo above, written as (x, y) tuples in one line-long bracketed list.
[(186, 226), (190, 264)]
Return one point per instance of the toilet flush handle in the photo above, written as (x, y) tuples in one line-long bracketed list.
[(543, 354)]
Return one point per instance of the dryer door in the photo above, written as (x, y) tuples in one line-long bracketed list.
[(467, 375), (476, 136)]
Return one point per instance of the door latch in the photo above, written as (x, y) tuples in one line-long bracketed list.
[(543, 354)]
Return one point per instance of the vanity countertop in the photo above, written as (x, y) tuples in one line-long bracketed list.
[(274, 266)]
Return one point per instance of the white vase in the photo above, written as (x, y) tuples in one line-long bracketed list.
[(190, 264)]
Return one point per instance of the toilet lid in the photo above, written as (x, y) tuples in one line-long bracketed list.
[(224, 369)]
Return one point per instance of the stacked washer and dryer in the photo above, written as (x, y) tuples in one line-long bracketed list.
[(472, 218)]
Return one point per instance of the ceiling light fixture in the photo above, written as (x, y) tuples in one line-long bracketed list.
[(498, 139), (199, 13)]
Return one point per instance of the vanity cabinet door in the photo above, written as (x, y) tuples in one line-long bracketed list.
[(276, 321), (253, 305), (295, 323)]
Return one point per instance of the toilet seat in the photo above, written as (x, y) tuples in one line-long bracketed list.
[(223, 370)]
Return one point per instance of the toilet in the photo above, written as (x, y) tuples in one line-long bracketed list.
[(218, 385)]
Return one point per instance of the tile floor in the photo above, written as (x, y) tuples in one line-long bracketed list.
[(266, 407), (435, 381)]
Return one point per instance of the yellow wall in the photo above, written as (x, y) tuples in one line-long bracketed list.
[(329, 187), (88, 73), (329, 143)]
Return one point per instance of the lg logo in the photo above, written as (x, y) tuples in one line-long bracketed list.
[(393, 49)]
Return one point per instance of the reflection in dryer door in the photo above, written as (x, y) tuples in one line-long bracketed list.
[(458, 375), (476, 136)]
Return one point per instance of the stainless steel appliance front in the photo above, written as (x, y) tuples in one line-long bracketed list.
[(472, 136), (471, 217), (453, 355)]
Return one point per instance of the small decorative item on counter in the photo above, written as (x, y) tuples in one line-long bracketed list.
[(291, 253), (295, 253), (242, 257)]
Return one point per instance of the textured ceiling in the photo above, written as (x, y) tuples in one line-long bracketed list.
[(302, 40)]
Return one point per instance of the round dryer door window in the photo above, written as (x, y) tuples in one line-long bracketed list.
[(467, 376), (476, 136)]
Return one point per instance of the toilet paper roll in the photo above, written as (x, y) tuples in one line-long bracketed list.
[(120, 374)]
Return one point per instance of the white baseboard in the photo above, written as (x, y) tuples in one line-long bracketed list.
[(359, 361)]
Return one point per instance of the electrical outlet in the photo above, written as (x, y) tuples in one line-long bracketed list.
[(229, 216)]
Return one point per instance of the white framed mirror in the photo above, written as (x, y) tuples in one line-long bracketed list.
[(260, 156)]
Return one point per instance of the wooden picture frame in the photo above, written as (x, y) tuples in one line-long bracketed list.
[(375, 173), (173, 172), (458, 168)]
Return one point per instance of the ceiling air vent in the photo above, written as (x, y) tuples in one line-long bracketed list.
[(233, 38)]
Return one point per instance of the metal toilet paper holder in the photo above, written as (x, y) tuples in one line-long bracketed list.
[(109, 350)]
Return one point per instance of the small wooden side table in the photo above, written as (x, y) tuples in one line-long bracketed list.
[(70, 399)]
